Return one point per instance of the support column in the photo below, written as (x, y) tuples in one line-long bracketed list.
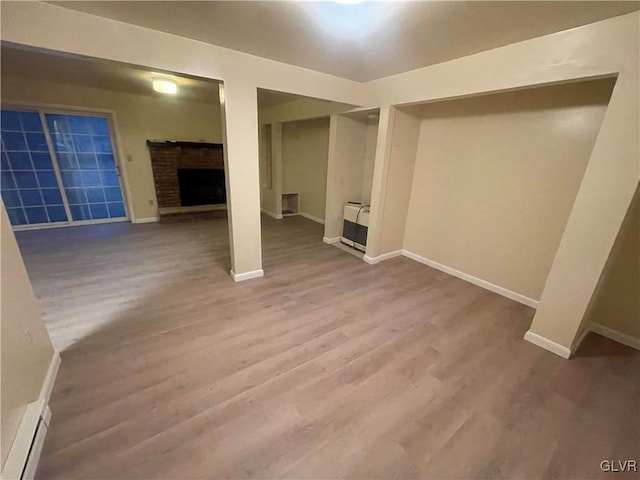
[(239, 107), (603, 200), (380, 175)]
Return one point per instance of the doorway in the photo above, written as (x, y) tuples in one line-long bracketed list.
[(59, 168)]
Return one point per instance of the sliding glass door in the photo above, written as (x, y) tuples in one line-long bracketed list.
[(59, 171)]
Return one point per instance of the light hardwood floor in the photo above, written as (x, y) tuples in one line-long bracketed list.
[(326, 368)]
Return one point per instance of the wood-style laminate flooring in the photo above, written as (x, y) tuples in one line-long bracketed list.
[(325, 368)]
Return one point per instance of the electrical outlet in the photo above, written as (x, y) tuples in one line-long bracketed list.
[(152, 202), (129, 157)]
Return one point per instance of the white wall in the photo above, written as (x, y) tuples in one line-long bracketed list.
[(26, 350)]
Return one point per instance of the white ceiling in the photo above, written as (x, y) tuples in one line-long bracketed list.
[(361, 41)]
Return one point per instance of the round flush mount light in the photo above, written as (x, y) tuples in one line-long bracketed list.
[(348, 2), (163, 85)]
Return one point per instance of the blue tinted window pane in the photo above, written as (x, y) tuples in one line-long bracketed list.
[(99, 210), (87, 161), (110, 179), (113, 194), (37, 142), (6, 180), (25, 179), (16, 216), (99, 126), (80, 212), (10, 121), (41, 161), (20, 161), (67, 161), (116, 210), (106, 161), (31, 198), (102, 144), (95, 195), (47, 179), (14, 141), (83, 144), (5, 161), (71, 178), (76, 195), (11, 198), (79, 124), (36, 215), (91, 178), (28, 179), (52, 196), (31, 122), (57, 214)]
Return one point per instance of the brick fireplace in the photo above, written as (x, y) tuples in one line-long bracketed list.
[(175, 163)]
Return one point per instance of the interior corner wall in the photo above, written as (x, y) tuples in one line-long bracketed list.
[(616, 304), (369, 161), (305, 149), (496, 177), (347, 151), (138, 118), (398, 183), (26, 349)]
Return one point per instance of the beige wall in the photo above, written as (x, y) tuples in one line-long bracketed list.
[(398, 180), (26, 348), (496, 177), (138, 118), (305, 146), (350, 169), (616, 304), (301, 109)]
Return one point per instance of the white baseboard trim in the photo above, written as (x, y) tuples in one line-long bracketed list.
[(384, 256), (240, 277), (331, 240), (146, 220), (50, 378), (311, 217), (616, 336), (471, 279), (547, 344), (271, 214), (24, 455)]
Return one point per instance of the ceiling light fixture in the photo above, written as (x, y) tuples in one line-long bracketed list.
[(348, 2), (163, 85)]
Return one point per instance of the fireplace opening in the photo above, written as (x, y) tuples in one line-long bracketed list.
[(201, 186)]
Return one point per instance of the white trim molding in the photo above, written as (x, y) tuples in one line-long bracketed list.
[(271, 214), (382, 257), (331, 240), (146, 220), (471, 279), (616, 336), (240, 277), (311, 217), (24, 455), (547, 344)]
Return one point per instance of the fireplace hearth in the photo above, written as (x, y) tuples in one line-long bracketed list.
[(189, 179)]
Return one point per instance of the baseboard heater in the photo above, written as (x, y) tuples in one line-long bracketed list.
[(355, 226), (22, 461)]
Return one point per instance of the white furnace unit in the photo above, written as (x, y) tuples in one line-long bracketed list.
[(355, 225)]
